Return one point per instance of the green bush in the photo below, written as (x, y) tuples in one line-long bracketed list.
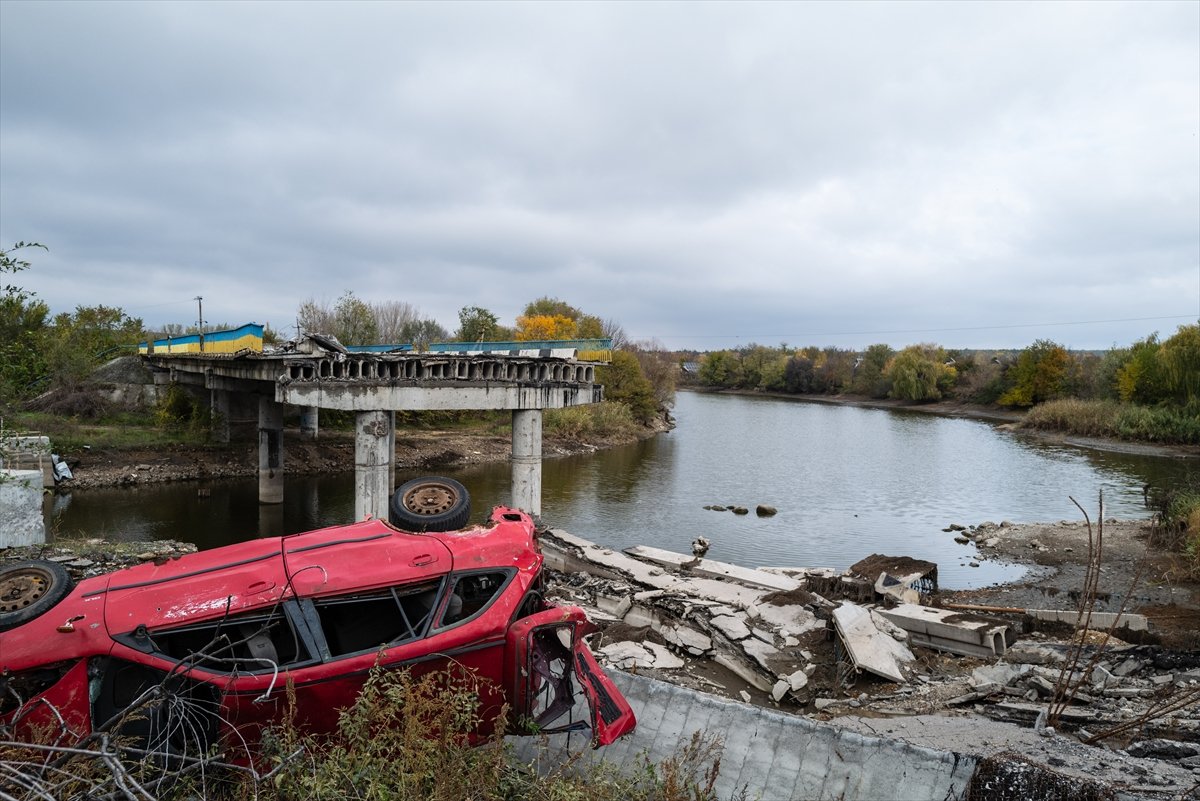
[(624, 382), (1044, 371), (607, 419), (175, 408)]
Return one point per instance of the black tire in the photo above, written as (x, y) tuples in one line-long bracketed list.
[(28, 589), (430, 503)]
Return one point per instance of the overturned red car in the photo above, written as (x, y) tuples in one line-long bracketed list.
[(231, 628)]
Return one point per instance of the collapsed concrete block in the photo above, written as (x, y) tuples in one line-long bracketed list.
[(714, 569), (768, 657), (870, 649), (999, 673), (626, 655), (694, 642), (663, 659), (617, 606), (743, 670), (951, 630), (639, 616), (796, 619), (732, 627)]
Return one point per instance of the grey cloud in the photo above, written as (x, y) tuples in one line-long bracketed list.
[(683, 168)]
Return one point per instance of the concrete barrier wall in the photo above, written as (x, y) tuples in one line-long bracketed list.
[(777, 757), (21, 508)]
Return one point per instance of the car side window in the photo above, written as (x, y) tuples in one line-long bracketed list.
[(471, 593), (248, 642), (363, 621)]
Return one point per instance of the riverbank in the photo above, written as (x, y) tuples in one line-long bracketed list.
[(331, 452), (1009, 419)]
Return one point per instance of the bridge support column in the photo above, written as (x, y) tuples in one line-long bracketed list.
[(374, 434), (221, 412), (270, 451), (392, 454), (308, 421), (527, 461)]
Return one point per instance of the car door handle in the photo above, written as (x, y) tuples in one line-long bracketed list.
[(423, 559)]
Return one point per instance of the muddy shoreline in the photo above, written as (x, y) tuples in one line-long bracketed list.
[(331, 452)]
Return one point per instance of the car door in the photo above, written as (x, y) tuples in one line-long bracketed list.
[(548, 656)]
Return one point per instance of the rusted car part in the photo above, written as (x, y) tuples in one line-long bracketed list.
[(218, 635), (27, 589), (430, 504)]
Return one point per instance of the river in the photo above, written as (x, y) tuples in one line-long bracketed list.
[(847, 482)]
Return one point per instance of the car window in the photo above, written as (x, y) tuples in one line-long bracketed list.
[(363, 621), (248, 642), (471, 593)]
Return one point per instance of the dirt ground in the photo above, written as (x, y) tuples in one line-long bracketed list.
[(1146, 579)]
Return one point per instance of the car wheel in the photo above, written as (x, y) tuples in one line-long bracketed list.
[(27, 589), (431, 503)]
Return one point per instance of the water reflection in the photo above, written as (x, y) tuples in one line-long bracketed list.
[(847, 482)]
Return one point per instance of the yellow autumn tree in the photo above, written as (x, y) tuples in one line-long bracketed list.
[(538, 327)]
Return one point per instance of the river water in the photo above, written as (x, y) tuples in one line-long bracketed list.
[(847, 482)]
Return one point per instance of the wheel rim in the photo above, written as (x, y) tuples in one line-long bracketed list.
[(23, 587), (430, 499)]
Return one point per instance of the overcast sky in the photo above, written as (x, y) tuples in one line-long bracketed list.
[(706, 174)]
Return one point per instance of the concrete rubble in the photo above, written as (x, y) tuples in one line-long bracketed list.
[(810, 640)]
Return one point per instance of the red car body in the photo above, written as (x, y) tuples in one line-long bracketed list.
[(233, 627)]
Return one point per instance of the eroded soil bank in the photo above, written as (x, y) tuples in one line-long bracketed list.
[(331, 452)]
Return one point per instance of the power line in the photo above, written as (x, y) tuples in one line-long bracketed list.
[(919, 330)]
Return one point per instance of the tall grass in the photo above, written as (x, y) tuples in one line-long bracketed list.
[(607, 419), (1126, 421)]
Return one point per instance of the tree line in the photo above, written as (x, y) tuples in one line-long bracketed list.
[(40, 352), (1149, 372)]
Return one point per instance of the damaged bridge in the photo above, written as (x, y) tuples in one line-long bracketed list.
[(318, 372)]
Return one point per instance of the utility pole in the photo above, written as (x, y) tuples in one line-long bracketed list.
[(200, 319)]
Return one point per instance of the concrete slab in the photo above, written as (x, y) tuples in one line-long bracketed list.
[(951, 630), (1098, 621), (714, 569), (868, 648), (776, 756)]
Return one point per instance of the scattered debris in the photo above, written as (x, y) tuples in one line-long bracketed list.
[(797, 638)]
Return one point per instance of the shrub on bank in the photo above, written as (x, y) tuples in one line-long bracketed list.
[(1177, 521), (1103, 418), (607, 419)]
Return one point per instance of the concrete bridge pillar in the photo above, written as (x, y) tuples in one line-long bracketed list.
[(270, 451), (221, 410), (391, 448), (374, 451), (308, 421), (527, 461)]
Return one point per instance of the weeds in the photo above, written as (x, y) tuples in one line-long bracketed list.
[(1127, 421), (607, 419), (1071, 679), (1177, 522), (1075, 673), (406, 737)]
